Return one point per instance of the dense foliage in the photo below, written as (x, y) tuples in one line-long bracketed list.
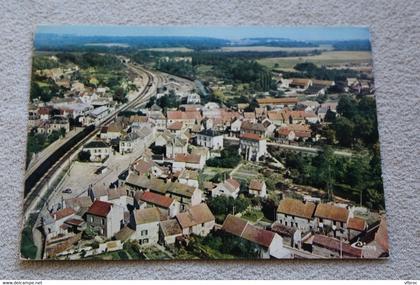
[(232, 245), (180, 68), (222, 205), (229, 158), (311, 70), (353, 178), (357, 122)]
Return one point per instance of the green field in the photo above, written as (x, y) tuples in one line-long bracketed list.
[(330, 58)]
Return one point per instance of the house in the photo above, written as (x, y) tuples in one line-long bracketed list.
[(190, 161), (296, 214), (235, 128), (137, 140), (270, 244), (176, 128), (53, 223), (189, 119), (44, 112), (291, 132), (79, 204), (147, 225), (210, 139), (228, 188), (355, 226), (98, 114), (248, 127), (278, 102), (188, 177), (332, 247), (334, 217), (168, 206), (300, 84), (98, 150), (57, 123), (184, 194), (104, 217), (193, 99), (258, 188), (158, 119), (252, 146), (198, 220), (169, 231), (174, 144), (113, 130)]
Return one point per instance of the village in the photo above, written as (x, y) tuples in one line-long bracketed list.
[(198, 178)]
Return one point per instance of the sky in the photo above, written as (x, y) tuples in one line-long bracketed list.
[(311, 33)]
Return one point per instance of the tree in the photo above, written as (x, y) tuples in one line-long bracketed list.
[(344, 130), (120, 95), (347, 107), (84, 156), (330, 116)]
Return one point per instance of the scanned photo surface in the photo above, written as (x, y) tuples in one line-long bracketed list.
[(151, 143)]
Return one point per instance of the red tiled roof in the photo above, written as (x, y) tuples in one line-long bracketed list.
[(234, 225), (241, 228), (188, 158), (179, 115), (156, 199), (256, 184), (63, 213), (175, 126), (336, 245), (331, 212), (195, 215), (296, 208), (257, 235), (100, 208), (269, 100), (357, 224), (235, 183), (249, 136)]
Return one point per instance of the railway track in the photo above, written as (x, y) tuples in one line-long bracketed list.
[(32, 191)]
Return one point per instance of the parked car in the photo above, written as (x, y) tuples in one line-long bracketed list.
[(67, 191)]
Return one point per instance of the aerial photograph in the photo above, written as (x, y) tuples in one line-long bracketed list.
[(152, 143)]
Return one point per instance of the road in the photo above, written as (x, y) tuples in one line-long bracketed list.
[(38, 191)]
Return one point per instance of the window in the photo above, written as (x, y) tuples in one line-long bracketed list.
[(103, 221), (321, 220), (144, 241), (91, 219), (143, 233), (342, 224)]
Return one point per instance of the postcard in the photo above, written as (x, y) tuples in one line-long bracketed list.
[(151, 143)]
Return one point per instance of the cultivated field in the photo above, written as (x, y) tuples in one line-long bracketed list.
[(269, 48), (169, 49), (330, 58)]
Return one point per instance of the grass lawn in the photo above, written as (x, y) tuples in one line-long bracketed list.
[(246, 172), (209, 172), (155, 253), (253, 215)]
